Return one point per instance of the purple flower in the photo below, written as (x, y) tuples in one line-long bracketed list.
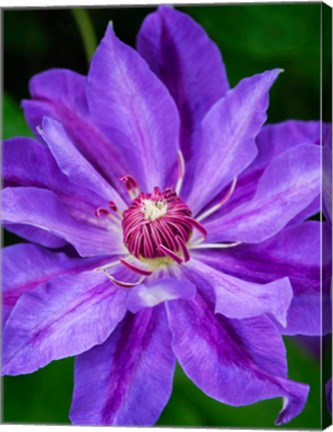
[(151, 174)]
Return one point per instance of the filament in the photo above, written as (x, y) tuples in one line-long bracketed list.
[(220, 204), (134, 268), (170, 254), (181, 172), (122, 283), (215, 245)]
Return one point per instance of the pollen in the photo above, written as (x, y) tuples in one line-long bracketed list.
[(153, 210)]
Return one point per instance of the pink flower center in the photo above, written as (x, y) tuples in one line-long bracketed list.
[(156, 223)]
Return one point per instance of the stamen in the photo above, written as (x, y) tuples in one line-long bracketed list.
[(197, 225), (181, 172), (113, 207), (153, 219), (131, 186), (101, 211), (220, 204), (183, 248), (134, 268), (170, 254), (214, 245), (125, 284), (107, 266)]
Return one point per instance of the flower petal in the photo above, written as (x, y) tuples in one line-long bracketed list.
[(28, 163), (171, 42), (25, 266), (292, 253), (43, 209), (60, 318), (275, 139), (227, 144), (62, 86), (162, 290), (73, 164), (272, 141), (237, 298), (238, 362), (61, 95), (289, 184), (36, 235), (327, 170), (129, 377), (135, 111)]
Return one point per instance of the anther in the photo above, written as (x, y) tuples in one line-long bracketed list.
[(101, 211), (131, 185), (114, 208)]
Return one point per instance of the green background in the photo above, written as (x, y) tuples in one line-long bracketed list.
[(252, 38)]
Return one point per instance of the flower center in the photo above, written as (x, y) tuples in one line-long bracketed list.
[(154, 209), (156, 224), (157, 228)]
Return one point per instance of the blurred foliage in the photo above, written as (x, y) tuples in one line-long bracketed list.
[(252, 38), (13, 120)]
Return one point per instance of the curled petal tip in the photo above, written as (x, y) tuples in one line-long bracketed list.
[(293, 406)]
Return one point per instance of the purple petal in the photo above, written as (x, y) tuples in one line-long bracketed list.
[(229, 130), (73, 164), (289, 184), (275, 139), (63, 87), (238, 362), (127, 381), (43, 209), (327, 170), (62, 317), (26, 162), (25, 266), (146, 128), (272, 141), (237, 298), (60, 94), (171, 42), (29, 163), (160, 291), (293, 253), (36, 235)]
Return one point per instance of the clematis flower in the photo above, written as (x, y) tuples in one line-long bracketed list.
[(166, 223)]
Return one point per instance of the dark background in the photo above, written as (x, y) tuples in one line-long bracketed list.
[(252, 38)]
